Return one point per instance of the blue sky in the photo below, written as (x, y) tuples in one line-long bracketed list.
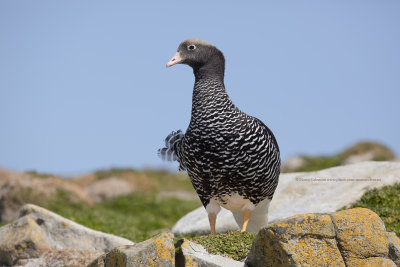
[(83, 84)]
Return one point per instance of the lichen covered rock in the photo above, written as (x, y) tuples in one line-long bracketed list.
[(297, 241), (157, 251), (22, 239), (355, 237), (360, 233)]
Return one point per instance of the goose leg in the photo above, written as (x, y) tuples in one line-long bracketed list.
[(246, 216), (212, 217)]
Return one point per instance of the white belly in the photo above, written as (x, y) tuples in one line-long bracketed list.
[(235, 202)]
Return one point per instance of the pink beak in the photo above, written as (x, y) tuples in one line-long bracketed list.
[(176, 59)]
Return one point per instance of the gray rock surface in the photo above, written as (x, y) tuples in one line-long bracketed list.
[(21, 239), (39, 230), (192, 254), (308, 192), (394, 248), (60, 257), (57, 228), (157, 251)]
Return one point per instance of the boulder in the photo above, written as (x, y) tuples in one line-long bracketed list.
[(394, 248), (108, 188), (60, 257), (22, 239), (192, 254), (355, 237), (39, 230), (312, 192), (157, 251), (360, 234)]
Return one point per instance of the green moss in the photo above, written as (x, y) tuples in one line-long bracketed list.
[(386, 203), (235, 245)]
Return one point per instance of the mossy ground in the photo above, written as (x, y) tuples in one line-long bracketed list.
[(386, 203), (235, 244)]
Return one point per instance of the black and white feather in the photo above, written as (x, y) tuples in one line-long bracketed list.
[(226, 152), (172, 145)]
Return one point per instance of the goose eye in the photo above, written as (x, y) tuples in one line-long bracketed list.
[(191, 47)]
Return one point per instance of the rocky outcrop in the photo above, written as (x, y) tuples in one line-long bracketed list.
[(157, 251), (308, 192), (355, 237), (39, 231)]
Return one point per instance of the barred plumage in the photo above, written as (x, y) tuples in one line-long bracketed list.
[(232, 158), (172, 144)]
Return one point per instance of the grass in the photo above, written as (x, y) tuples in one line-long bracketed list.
[(386, 203), (136, 217)]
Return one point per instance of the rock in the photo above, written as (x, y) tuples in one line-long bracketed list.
[(157, 251), (22, 239), (394, 248), (371, 262), (16, 189), (308, 192), (355, 237), (39, 230), (60, 257), (293, 163), (360, 157), (331, 189), (192, 254), (108, 188), (360, 234)]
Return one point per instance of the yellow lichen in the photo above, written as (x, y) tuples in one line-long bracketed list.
[(189, 262), (361, 234), (370, 262), (314, 252), (164, 246), (151, 262), (310, 224)]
